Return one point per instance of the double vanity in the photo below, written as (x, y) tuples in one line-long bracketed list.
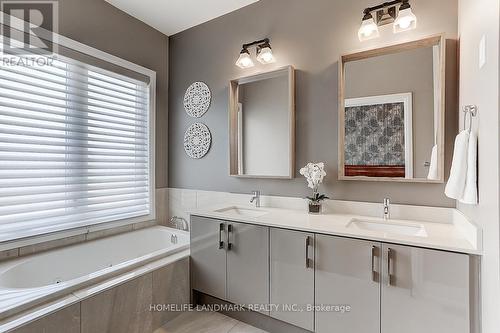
[(353, 268), (338, 270)]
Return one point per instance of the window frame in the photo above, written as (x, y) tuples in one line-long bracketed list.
[(114, 60)]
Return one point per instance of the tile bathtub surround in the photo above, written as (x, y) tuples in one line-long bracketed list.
[(170, 283), (106, 307), (35, 248), (126, 308), (109, 232), (161, 199), (72, 240), (180, 201), (145, 224), (9, 254), (122, 309), (66, 320), (161, 196)]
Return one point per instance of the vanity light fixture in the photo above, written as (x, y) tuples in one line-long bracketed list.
[(263, 51), (401, 16), (406, 20), (368, 29), (265, 54), (244, 61)]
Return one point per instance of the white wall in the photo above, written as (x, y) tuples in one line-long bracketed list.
[(480, 86)]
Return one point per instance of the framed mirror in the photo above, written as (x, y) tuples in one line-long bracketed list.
[(391, 113), (262, 125)]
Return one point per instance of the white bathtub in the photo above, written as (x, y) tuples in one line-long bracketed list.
[(28, 281)]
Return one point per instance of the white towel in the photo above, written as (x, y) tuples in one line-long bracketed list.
[(470, 191), (433, 167), (456, 183)]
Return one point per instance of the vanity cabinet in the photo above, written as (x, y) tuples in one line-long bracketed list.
[(390, 287), (355, 285), (424, 291), (292, 276), (347, 274), (247, 264), (208, 256), (230, 260)]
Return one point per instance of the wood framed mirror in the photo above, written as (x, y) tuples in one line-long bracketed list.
[(391, 113), (262, 125)]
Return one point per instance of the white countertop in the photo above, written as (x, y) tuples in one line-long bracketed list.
[(456, 234)]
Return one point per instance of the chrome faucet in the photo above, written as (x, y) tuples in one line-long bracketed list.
[(255, 198), (387, 213), (179, 223)]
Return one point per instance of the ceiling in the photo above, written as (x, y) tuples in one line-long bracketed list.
[(173, 16)]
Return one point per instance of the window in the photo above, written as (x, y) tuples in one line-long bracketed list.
[(75, 148)]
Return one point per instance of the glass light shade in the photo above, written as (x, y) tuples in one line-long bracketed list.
[(265, 55), (368, 29), (406, 20), (244, 61)]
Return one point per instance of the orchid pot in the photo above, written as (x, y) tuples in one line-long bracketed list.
[(314, 208), (315, 202)]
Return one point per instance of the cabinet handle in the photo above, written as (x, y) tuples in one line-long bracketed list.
[(307, 251), (389, 260), (374, 272), (229, 231), (221, 242)]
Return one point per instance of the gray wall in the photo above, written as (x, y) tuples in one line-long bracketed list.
[(310, 35), (98, 24), (481, 87), (409, 71)]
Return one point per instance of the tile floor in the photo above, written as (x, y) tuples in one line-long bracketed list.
[(206, 322)]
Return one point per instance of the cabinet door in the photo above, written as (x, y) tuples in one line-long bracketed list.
[(424, 291), (208, 256), (248, 264), (347, 273), (292, 276)]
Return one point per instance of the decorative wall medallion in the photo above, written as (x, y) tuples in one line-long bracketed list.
[(197, 99), (197, 140)]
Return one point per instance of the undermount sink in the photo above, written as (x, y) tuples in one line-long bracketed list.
[(388, 227), (239, 211)]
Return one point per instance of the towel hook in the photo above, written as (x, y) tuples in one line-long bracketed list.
[(470, 110)]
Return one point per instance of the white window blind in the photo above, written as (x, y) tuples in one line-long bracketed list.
[(74, 148)]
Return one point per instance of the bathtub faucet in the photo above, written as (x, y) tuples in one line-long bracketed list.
[(174, 239), (179, 223)]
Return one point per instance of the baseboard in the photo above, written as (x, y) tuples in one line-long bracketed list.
[(255, 319)]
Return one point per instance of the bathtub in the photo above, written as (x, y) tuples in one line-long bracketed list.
[(31, 280)]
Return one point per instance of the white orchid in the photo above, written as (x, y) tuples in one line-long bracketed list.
[(314, 173)]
